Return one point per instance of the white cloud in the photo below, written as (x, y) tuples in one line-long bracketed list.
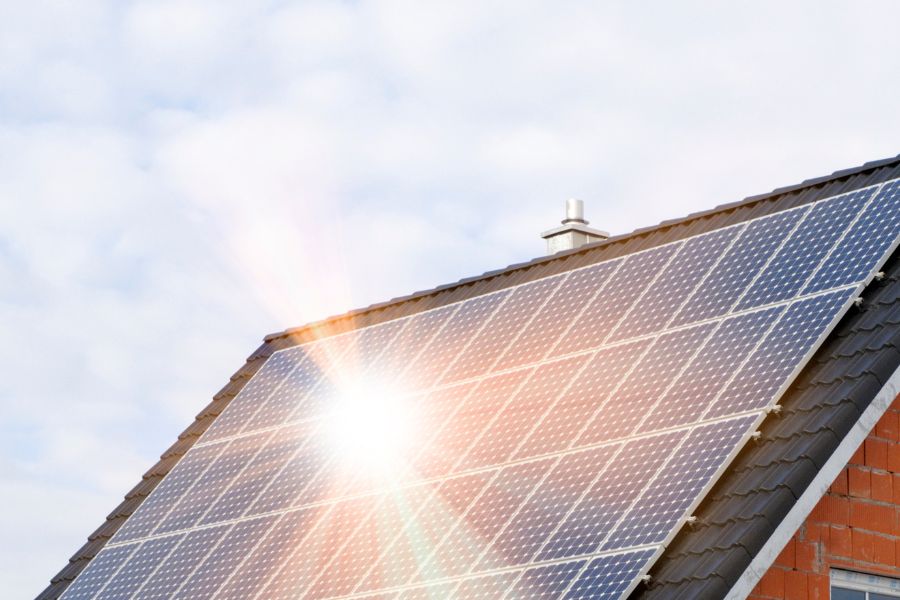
[(179, 178)]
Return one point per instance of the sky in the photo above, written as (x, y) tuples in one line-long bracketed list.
[(180, 178)]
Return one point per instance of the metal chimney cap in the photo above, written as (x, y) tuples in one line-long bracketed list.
[(574, 231)]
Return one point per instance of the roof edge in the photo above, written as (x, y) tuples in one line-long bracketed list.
[(749, 200), (804, 505)]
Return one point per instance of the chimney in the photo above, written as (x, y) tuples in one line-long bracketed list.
[(574, 232)]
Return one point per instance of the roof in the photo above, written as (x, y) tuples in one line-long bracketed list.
[(735, 521)]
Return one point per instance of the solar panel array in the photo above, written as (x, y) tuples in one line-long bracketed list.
[(566, 427)]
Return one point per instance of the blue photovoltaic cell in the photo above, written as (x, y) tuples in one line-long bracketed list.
[(564, 427), (485, 587), (554, 318), (617, 486), (213, 572), (214, 481), (259, 472), (181, 562), (757, 243), (792, 338), (501, 330), (870, 237), (169, 492), (659, 303), (248, 401), (551, 501), (678, 483), (642, 388), (99, 572), (546, 582), (709, 371), (607, 577), (285, 535), (790, 268), (604, 310), (139, 567)]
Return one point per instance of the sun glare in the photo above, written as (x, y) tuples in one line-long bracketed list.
[(372, 429)]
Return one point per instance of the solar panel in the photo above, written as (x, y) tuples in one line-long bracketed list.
[(543, 441)]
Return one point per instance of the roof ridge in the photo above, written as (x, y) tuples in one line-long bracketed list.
[(611, 241)]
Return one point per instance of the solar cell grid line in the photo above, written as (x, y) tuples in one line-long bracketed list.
[(600, 315), (98, 572), (193, 547), (522, 411), (288, 531), (461, 429), (502, 328), (195, 503), (169, 491), (663, 362), (248, 399), (711, 369), (352, 561), (258, 474), (138, 568), (439, 591), (486, 587), (426, 368), (553, 319), (791, 267), (464, 542), (210, 574), (866, 245), (410, 342), (546, 582), (544, 509), (340, 519), (609, 577), (664, 297), (587, 393), (782, 353), (757, 242), (654, 515), (439, 408), (291, 480), (295, 387), (400, 559), (371, 342), (589, 521)]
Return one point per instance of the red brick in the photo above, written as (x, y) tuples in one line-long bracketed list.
[(840, 542), (893, 458), (872, 517), (817, 533), (882, 486), (860, 481), (805, 556), (863, 544), (835, 509), (795, 585), (887, 426), (839, 486), (819, 586), (786, 558), (859, 457), (772, 583), (876, 453), (885, 551)]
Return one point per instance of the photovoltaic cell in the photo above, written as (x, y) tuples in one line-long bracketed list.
[(565, 427), (608, 577), (758, 241)]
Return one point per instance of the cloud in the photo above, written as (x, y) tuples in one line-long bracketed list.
[(179, 178)]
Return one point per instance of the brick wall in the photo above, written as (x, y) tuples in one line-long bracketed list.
[(855, 526)]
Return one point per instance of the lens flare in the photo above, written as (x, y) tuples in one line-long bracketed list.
[(372, 429)]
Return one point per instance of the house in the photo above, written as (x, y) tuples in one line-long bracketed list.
[(707, 408)]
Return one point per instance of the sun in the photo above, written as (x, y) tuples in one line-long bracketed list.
[(372, 429)]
